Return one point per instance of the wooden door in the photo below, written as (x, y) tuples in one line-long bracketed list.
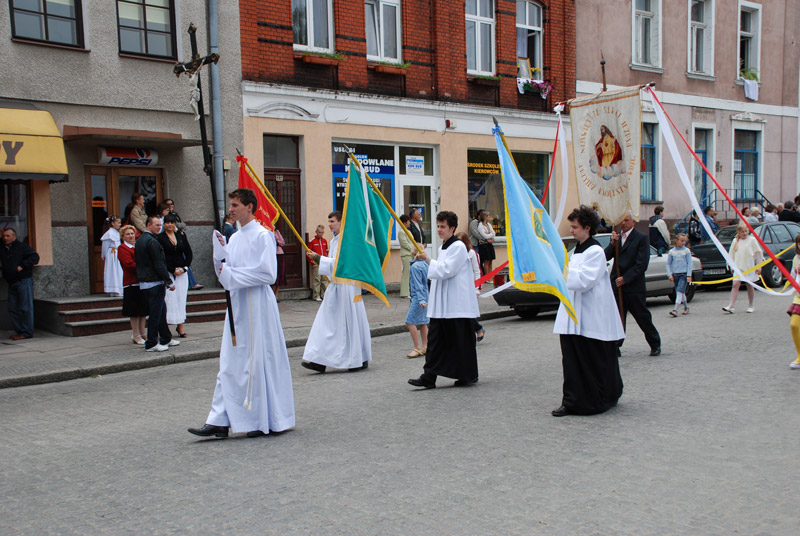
[(284, 184), (108, 193)]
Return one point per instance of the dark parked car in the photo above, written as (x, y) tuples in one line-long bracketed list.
[(777, 235), (529, 304)]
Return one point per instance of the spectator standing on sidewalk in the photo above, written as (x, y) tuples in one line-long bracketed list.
[(746, 253), (181, 226), (319, 246), (659, 233), (280, 258), (137, 216), (679, 271), (154, 280), (112, 269), (134, 305), (406, 256), (709, 213), (18, 260)]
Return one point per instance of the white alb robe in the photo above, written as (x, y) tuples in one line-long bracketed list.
[(112, 269), (452, 293), (592, 298), (340, 336), (256, 371)]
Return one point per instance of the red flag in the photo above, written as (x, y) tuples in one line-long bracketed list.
[(266, 214)]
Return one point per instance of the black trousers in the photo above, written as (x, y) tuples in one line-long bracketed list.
[(157, 329), (635, 304)]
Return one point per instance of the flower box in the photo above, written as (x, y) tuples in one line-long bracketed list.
[(390, 69), (320, 60), (542, 87), (492, 81)]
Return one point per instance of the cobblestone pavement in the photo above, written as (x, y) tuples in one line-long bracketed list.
[(704, 441)]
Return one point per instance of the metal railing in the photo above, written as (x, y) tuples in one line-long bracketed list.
[(742, 197)]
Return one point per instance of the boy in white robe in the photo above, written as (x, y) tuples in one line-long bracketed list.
[(452, 309), (112, 269), (254, 385), (340, 336)]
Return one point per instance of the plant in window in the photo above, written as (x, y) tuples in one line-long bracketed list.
[(542, 87), (748, 73)]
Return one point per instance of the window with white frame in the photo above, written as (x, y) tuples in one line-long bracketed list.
[(480, 37), (312, 24), (701, 37), (382, 18), (749, 40), (530, 36), (647, 32)]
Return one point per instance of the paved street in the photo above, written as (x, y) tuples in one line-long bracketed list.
[(704, 441)]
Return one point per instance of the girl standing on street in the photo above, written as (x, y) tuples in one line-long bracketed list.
[(112, 269), (794, 309), (746, 253), (134, 305)]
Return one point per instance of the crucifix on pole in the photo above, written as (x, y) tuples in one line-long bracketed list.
[(192, 68)]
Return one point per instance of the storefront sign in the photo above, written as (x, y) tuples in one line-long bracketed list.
[(31, 146), (415, 165), (377, 161), (121, 156)]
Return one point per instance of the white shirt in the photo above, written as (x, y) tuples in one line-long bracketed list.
[(452, 292)]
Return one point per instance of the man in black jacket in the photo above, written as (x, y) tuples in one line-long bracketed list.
[(633, 259), (789, 213), (18, 261), (154, 280)]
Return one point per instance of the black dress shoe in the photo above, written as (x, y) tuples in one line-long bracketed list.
[(561, 411), (362, 367), (255, 433), (419, 382), (465, 383), (209, 430), (655, 351), (313, 366)]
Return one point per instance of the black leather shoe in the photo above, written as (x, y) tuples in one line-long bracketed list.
[(419, 382), (208, 430), (655, 351), (561, 411), (362, 367), (465, 383), (255, 433), (313, 366)]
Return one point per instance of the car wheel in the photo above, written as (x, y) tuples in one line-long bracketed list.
[(526, 312), (773, 276)]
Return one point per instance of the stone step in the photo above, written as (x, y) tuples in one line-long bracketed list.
[(93, 327), (110, 313)]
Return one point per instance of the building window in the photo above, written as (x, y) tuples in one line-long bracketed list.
[(382, 19), (647, 172), (702, 146), (749, 40), (530, 35), (52, 21), (647, 32), (701, 37), (485, 185), (14, 208), (480, 37), (312, 24), (745, 164), (147, 27)]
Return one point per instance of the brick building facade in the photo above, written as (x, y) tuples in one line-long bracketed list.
[(412, 85)]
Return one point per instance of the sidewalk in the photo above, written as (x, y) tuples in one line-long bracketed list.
[(52, 358)]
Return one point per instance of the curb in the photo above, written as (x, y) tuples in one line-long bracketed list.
[(172, 359)]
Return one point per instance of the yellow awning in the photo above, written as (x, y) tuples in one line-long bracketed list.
[(31, 146)]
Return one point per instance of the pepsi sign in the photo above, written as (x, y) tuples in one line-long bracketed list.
[(111, 156)]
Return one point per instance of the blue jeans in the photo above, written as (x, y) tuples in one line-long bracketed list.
[(192, 280), (157, 329), (20, 306)]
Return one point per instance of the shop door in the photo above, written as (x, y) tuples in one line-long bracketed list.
[(421, 197), (108, 193), (284, 185)]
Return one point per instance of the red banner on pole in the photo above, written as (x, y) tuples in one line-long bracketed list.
[(266, 213)]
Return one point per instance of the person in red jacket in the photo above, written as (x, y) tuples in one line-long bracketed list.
[(134, 306), (320, 246)]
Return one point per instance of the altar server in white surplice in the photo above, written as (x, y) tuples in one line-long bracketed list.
[(254, 384), (592, 382), (340, 335), (112, 269)]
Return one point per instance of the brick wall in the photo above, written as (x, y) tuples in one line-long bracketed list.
[(433, 43)]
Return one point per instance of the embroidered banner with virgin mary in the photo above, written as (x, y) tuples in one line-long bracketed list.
[(606, 130)]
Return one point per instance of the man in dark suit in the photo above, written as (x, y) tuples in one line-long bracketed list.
[(634, 256), (789, 213), (416, 228)]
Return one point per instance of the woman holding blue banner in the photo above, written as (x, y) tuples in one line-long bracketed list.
[(592, 382)]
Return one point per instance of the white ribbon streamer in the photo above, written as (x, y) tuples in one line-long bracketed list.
[(562, 148)]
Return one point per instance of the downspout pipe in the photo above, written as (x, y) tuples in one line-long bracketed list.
[(216, 108)]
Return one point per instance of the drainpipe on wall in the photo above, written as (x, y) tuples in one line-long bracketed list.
[(216, 108)]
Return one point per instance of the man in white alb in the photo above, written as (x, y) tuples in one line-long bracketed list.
[(254, 384)]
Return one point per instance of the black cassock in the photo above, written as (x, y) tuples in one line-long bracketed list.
[(451, 349), (592, 382)]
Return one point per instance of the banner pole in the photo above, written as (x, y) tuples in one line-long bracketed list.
[(386, 203)]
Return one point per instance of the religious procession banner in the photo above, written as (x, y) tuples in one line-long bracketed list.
[(364, 237), (537, 258), (266, 213), (606, 130)]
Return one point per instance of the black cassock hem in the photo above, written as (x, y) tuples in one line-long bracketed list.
[(451, 349), (592, 382)]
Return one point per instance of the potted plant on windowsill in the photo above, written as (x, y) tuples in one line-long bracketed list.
[(392, 68), (484, 80), (322, 58), (749, 73)]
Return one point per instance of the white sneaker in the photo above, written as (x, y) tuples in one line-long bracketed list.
[(750, 310), (173, 342), (794, 365), (317, 299), (157, 348), (728, 309)]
